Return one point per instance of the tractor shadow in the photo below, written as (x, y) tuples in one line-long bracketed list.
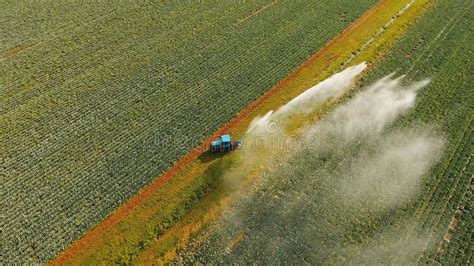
[(210, 156)]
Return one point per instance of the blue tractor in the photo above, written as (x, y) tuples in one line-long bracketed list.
[(224, 144)]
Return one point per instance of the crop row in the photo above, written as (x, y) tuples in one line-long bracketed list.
[(106, 44), (442, 53), (138, 88), (458, 248), (60, 137)]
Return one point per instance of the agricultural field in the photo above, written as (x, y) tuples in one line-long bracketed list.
[(300, 211), (99, 99), (140, 232), (108, 111)]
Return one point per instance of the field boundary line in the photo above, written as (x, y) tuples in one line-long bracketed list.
[(456, 219), (258, 11)]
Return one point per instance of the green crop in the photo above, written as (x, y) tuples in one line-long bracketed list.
[(299, 213), (440, 47), (98, 99)]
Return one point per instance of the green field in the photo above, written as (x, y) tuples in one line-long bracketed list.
[(99, 99), (440, 47), (301, 211)]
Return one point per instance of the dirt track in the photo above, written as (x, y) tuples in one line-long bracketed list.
[(257, 12)]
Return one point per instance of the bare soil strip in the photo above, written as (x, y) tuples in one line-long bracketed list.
[(18, 49), (443, 246), (240, 21)]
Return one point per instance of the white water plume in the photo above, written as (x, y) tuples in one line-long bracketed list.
[(389, 174), (343, 177), (307, 101), (267, 137), (387, 167), (373, 109)]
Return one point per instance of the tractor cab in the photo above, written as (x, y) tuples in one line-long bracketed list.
[(224, 144)]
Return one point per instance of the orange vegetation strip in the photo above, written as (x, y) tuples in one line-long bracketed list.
[(161, 253), (257, 12), (92, 239), (194, 224), (18, 49)]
